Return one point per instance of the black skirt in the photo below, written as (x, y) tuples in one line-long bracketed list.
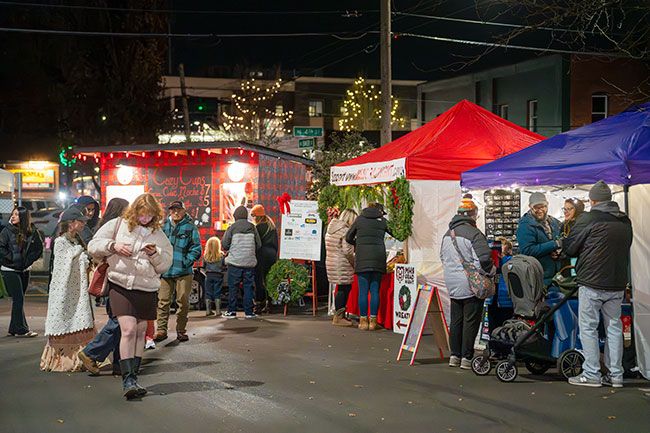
[(136, 303)]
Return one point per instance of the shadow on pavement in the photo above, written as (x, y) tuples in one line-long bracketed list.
[(173, 367), (173, 388)]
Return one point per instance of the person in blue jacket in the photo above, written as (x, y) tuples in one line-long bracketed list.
[(500, 306), (538, 235)]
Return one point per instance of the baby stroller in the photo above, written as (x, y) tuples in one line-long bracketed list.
[(536, 336)]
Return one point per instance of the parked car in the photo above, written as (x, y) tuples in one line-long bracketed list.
[(46, 220)]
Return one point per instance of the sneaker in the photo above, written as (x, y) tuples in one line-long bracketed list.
[(466, 364), (614, 383), (229, 315), (454, 361), (585, 381), (149, 344), (251, 316)]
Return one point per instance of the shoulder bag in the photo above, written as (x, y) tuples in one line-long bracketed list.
[(481, 284), (97, 284)]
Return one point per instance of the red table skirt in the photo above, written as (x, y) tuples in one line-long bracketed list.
[(386, 289)]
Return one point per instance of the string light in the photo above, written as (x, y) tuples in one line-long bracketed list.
[(360, 110)]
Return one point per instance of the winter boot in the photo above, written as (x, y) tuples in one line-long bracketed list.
[(339, 318), (363, 323), (129, 384), (217, 307), (136, 367), (208, 308), (372, 326)]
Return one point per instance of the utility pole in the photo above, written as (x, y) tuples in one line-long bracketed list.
[(386, 91), (186, 110)]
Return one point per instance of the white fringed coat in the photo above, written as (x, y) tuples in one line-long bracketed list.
[(68, 306)]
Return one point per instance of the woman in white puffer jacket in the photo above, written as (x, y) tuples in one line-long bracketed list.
[(137, 252), (340, 262)]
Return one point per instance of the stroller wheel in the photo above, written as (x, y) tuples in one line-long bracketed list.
[(536, 367), (481, 365), (506, 372), (569, 364)]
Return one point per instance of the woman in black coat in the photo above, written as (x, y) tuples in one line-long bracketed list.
[(367, 235), (267, 254), (20, 246)]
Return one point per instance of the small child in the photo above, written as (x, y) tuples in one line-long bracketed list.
[(500, 306), (213, 262)]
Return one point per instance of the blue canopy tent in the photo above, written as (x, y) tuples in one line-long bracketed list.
[(616, 150)]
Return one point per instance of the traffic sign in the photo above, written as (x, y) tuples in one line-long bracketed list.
[(306, 143), (307, 131)]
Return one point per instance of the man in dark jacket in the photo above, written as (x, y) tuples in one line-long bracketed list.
[(185, 239), (538, 235), (241, 242), (367, 235), (601, 239)]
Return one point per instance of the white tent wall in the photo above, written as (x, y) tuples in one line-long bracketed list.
[(435, 203), (639, 204)]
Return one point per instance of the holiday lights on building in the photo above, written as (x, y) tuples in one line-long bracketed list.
[(361, 110)]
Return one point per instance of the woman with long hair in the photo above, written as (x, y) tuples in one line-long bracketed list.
[(20, 246), (213, 265), (137, 252), (572, 209), (267, 254), (114, 209), (69, 324), (340, 262)]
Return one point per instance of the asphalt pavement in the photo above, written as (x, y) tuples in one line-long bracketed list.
[(295, 374)]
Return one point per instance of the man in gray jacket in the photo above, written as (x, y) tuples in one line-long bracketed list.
[(240, 242)]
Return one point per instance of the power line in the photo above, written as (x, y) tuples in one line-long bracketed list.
[(342, 36), (515, 47), (347, 13)]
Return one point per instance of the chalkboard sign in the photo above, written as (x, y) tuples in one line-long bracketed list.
[(192, 185), (502, 214)]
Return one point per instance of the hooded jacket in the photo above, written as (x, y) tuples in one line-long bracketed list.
[(473, 245), (91, 226), (339, 257), (185, 239), (534, 242), (19, 257), (267, 254), (241, 241), (367, 235), (601, 239)]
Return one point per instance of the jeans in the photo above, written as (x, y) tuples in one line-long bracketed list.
[(182, 286), (238, 275), (107, 341), (213, 284), (591, 303), (369, 282), (342, 293), (16, 284), (466, 315)]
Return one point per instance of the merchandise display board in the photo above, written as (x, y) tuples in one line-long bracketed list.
[(502, 214)]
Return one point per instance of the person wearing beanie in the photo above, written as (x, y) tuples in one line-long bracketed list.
[(241, 242), (538, 235), (267, 254), (466, 309), (601, 240)]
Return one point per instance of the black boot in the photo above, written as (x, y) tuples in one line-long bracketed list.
[(129, 384), (136, 362)]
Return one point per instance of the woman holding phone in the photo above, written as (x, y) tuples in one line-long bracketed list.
[(137, 252)]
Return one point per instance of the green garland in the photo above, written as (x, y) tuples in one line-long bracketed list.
[(284, 271), (328, 197), (400, 209)]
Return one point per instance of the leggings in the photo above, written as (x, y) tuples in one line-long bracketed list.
[(342, 293)]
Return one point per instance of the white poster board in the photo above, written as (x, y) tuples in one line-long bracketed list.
[(127, 192), (405, 279), (300, 236)]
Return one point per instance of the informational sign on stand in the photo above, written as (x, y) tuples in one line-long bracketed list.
[(406, 291), (301, 232)]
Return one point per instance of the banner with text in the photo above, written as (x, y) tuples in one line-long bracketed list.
[(404, 295), (372, 172)]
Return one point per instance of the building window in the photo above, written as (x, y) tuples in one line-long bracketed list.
[(531, 122), (279, 110), (503, 111), (315, 108), (599, 106)]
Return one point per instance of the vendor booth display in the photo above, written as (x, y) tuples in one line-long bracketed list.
[(616, 150), (430, 161)]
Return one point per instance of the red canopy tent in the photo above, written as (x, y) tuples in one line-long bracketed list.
[(432, 157)]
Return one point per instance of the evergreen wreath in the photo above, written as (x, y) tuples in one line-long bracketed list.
[(400, 209), (404, 298), (287, 282)]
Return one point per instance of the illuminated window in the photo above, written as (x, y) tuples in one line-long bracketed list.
[(315, 108)]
